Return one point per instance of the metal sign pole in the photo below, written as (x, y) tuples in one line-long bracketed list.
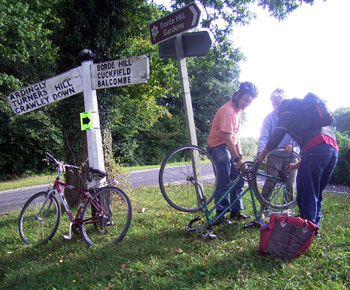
[(185, 87), (94, 139), (186, 95)]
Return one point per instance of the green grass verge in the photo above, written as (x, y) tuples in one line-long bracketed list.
[(44, 179), (158, 253)]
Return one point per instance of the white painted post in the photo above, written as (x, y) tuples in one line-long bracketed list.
[(186, 95), (185, 87), (94, 139)]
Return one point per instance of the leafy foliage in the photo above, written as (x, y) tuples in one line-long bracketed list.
[(342, 120), (26, 56), (341, 173)]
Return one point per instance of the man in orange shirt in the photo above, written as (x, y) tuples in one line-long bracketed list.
[(224, 146)]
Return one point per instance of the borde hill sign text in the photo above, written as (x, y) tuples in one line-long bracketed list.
[(104, 75), (175, 23), (45, 92), (120, 72)]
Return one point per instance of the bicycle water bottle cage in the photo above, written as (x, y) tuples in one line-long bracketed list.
[(96, 173)]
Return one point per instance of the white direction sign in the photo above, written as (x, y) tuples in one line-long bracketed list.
[(121, 72), (46, 92)]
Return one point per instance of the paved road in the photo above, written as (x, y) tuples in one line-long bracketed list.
[(13, 199)]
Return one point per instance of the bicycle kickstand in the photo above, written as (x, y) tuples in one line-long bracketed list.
[(69, 236)]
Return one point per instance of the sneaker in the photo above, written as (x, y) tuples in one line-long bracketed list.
[(237, 215), (223, 220)]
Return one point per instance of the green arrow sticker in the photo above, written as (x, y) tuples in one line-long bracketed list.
[(86, 121)]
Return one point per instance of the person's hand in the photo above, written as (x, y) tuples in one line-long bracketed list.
[(260, 158), (289, 148), (239, 164), (292, 166)]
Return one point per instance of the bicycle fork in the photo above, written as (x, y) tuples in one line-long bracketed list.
[(41, 214)]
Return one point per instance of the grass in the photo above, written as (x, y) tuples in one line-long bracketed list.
[(43, 179), (158, 253)]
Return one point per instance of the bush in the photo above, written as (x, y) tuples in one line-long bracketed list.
[(341, 173)]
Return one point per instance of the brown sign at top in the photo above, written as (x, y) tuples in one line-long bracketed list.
[(175, 23)]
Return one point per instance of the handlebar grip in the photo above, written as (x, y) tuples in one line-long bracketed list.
[(71, 166), (51, 157)]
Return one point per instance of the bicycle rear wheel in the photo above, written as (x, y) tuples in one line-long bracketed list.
[(39, 219), (276, 191), (184, 174), (107, 220)]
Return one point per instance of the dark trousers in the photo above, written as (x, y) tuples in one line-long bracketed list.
[(314, 173), (226, 171)]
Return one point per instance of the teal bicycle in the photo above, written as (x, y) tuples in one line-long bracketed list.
[(189, 172)]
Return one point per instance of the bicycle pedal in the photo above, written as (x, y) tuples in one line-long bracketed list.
[(210, 235), (66, 237)]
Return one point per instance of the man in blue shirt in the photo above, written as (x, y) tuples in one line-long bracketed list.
[(278, 161)]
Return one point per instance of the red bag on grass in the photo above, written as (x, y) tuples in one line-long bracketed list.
[(286, 236)]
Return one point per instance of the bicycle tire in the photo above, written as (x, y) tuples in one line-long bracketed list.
[(279, 198), (177, 178), (110, 219), (39, 219)]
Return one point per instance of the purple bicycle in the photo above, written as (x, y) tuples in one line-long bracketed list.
[(103, 215)]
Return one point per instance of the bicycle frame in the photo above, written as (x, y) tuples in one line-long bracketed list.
[(208, 211), (85, 195)]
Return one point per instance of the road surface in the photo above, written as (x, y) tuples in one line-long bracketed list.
[(14, 199)]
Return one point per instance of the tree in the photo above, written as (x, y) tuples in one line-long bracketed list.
[(26, 56), (341, 173), (213, 78), (112, 30), (342, 120)]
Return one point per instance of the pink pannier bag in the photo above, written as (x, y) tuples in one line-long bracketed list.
[(286, 236)]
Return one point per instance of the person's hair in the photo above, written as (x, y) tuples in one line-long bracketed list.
[(278, 93), (245, 88)]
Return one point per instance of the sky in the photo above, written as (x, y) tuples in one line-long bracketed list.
[(309, 51)]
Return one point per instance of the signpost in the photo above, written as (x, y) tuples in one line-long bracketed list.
[(194, 43), (86, 78), (120, 72), (178, 46), (175, 23), (46, 92)]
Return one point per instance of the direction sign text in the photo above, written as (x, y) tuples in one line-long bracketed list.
[(120, 72), (45, 92), (175, 23)]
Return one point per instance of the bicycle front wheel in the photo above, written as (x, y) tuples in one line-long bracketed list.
[(39, 219), (106, 219), (276, 189), (185, 174)]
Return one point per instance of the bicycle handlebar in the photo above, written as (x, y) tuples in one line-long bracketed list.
[(53, 160)]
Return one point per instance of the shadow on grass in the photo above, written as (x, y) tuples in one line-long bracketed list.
[(162, 257)]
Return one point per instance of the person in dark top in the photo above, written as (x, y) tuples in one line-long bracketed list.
[(318, 158)]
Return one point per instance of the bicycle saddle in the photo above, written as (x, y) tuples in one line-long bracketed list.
[(97, 173)]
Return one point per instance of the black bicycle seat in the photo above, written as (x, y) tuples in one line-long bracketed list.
[(97, 173)]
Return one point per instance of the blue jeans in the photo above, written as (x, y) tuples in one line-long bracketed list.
[(314, 173), (226, 171)]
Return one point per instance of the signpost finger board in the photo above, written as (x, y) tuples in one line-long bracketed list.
[(175, 23), (120, 72), (46, 92)]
